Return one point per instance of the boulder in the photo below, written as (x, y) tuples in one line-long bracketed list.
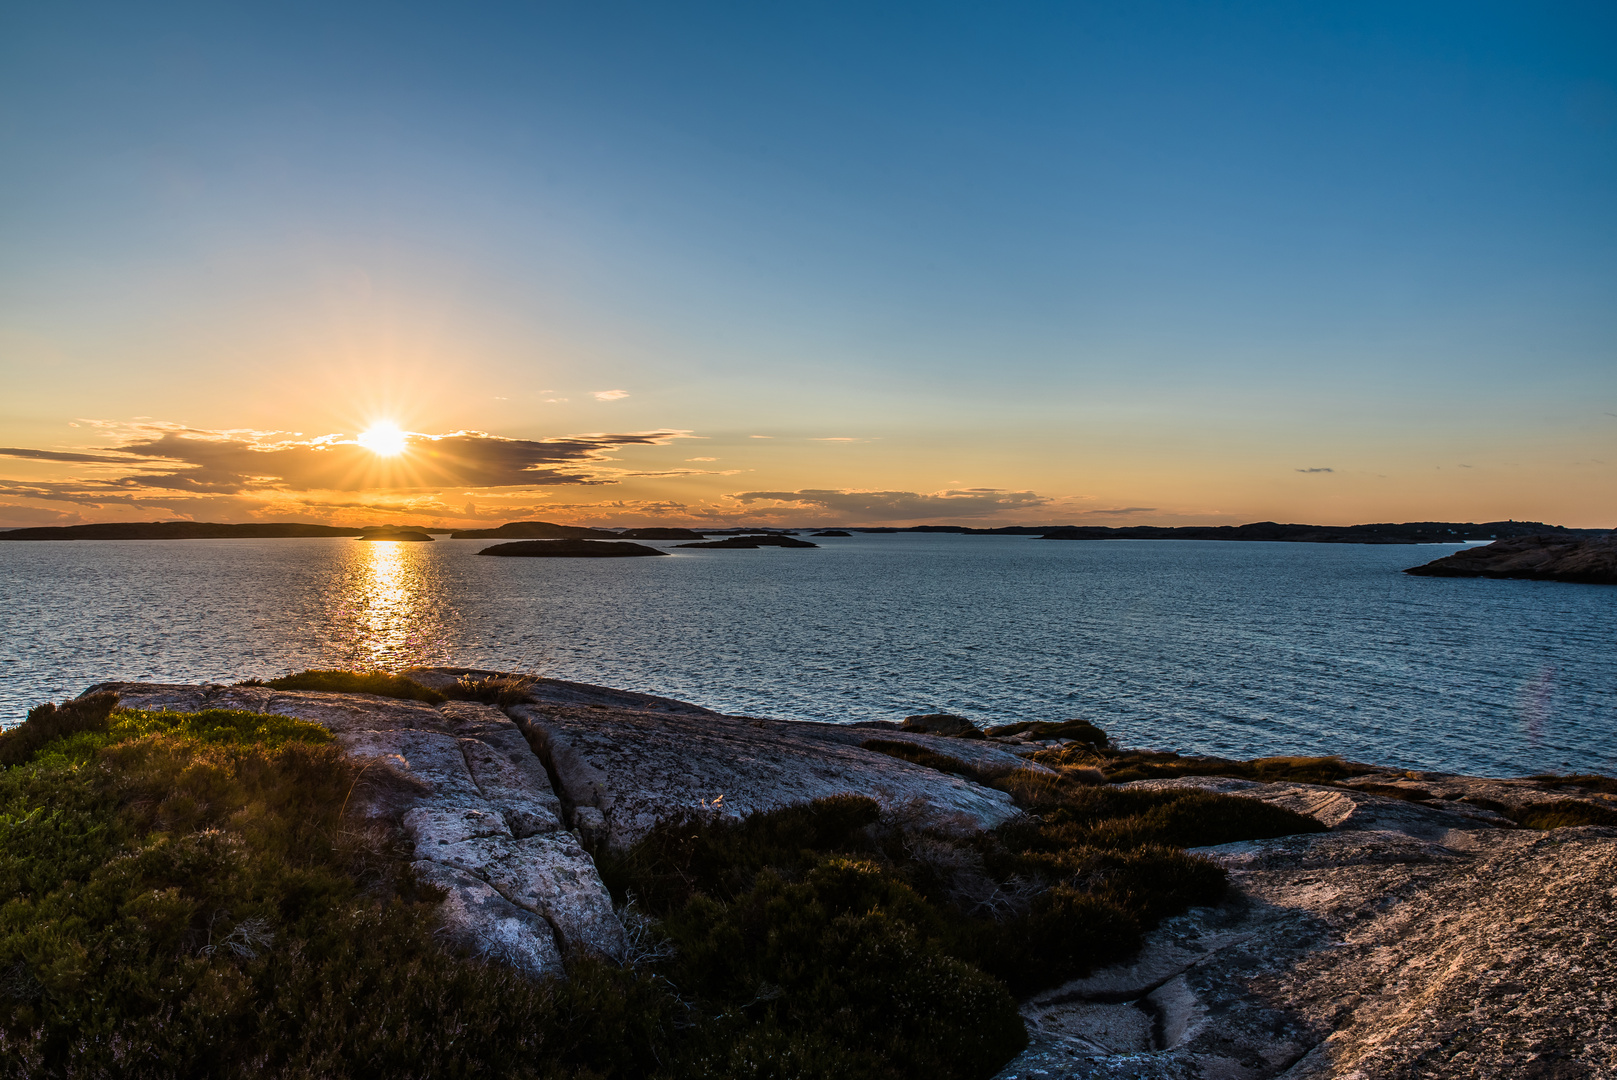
[(636, 767), (942, 723)]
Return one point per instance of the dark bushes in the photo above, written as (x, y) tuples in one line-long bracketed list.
[(48, 722), (1562, 814), (920, 755), (812, 920), (358, 682)]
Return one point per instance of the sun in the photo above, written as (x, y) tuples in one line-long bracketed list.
[(384, 439)]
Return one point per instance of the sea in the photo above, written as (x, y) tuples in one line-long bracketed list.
[(1238, 649)]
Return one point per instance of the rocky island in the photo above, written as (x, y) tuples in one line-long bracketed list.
[(1591, 561), (571, 549), (546, 878)]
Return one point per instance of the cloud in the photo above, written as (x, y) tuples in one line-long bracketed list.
[(56, 455), (760, 436), (160, 459), (609, 395), (1315, 470), (16, 516), (1121, 510), (701, 459), (900, 505)]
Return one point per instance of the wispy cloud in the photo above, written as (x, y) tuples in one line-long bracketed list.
[(701, 459), (1120, 511), (609, 395), (1314, 470), (899, 505), (56, 455)]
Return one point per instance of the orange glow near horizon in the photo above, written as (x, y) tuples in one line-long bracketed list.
[(384, 439)]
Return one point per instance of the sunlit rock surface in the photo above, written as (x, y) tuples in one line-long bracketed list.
[(1411, 940)]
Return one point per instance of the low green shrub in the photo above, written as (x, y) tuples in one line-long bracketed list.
[(46, 723), (380, 683), (502, 690), (758, 911)]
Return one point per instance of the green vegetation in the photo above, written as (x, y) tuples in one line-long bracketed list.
[(500, 690), (358, 682), (804, 926)]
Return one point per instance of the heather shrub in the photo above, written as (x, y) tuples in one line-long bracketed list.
[(380, 683)]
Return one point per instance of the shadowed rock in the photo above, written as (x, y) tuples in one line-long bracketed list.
[(1540, 558), (947, 724)]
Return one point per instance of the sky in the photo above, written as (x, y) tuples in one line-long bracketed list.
[(766, 263)]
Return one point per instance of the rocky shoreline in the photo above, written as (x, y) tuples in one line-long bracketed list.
[(1424, 932), (1590, 561)]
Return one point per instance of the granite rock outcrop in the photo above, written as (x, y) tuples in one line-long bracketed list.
[(1409, 940), (1590, 561), (1424, 933)]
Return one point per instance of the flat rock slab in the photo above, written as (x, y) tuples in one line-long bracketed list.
[(1408, 941), (474, 801), (637, 767)]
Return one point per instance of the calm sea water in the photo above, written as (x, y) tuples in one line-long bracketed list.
[(1239, 649)]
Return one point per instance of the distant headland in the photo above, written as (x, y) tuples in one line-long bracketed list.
[(1410, 532)]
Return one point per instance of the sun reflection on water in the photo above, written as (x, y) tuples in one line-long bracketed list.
[(387, 610)]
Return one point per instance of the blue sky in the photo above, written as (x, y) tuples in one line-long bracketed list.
[(1068, 261)]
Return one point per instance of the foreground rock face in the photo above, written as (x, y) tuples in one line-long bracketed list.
[(1422, 935), (475, 800), (1541, 558), (628, 768), (1408, 941)]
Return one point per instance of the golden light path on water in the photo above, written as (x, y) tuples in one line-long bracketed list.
[(386, 608)]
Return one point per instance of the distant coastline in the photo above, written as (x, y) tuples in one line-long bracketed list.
[(1412, 532)]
